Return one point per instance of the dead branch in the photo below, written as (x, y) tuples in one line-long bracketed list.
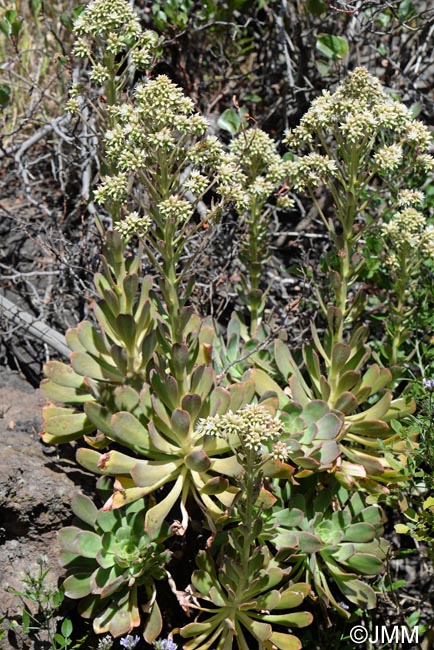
[(35, 328)]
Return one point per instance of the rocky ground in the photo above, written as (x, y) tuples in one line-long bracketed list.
[(36, 485)]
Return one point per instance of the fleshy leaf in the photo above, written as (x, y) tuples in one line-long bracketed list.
[(285, 641), (84, 509)]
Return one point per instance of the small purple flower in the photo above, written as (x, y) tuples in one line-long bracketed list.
[(169, 645), (129, 642), (428, 384), (166, 644)]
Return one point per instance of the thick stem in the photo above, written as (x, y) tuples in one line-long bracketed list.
[(256, 255), (170, 291), (398, 321), (250, 478), (347, 212), (247, 514)]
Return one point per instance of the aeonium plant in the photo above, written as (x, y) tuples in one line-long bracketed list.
[(237, 613), (368, 151), (165, 446), (142, 392), (331, 539), (407, 254), (372, 455), (142, 378), (143, 397), (251, 175), (362, 145), (112, 565), (241, 592)]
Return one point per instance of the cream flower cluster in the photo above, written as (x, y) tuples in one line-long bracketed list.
[(207, 152), (196, 183), (389, 159), (255, 147), (175, 208), (251, 170), (165, 104), (152, 124), (359, 105), (253, 425), (158, 138), (311, 169), (113, 188), (356, 113), (133, 224), (113, 25), (408, 198), (105, 18), (408, 235)]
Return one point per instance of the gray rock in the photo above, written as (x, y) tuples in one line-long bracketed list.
[(36, 486)]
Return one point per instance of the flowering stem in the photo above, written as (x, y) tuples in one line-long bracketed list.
[(254, 269), (250, 478), (249, 494), (397, 325), (110, 87)]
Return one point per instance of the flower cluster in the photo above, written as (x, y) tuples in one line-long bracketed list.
[(355, 114), (428, 384), (207, 152), (408, 236), (175, 208), (357, 126), (310, 170), (159, 117), (356, 110), (113, 188), (113, 24), (388, 159), (254, 425), (233, 182), (418, 134), (145, 50), (129, 642), (427, 241), (108, 18), (255, 148), (133, 224), (153, 141), (409, 198), (424, 162), (285, 201), (105, 30), (72, 106), (99, 74), (164, 103), (81, 49), (165, 644), (196, 182), (251, 171), (280, 451), (405, 227), (105, 643)]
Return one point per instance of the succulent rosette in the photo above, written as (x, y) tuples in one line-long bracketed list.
[(112, 565), (337, 548), (238, 611)]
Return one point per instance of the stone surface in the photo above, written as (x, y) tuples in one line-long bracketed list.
[(36, 485)]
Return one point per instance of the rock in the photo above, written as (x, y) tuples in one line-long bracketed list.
[(36, 485)]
